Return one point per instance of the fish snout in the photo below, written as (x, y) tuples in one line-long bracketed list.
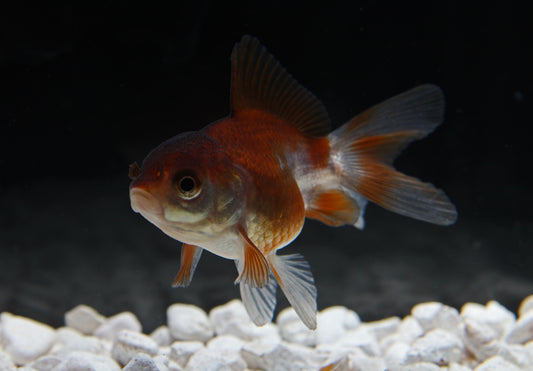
[(144, 202)]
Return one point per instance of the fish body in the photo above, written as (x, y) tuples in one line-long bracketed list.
[(243, 186)]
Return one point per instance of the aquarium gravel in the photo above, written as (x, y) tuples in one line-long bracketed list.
[(433, 337)]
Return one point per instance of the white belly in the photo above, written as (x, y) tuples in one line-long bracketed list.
[(228, 245)]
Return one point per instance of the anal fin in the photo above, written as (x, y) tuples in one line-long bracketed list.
[(333, 207), (190, 255), (255, 271)]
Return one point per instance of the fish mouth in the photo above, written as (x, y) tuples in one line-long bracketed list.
[(145, 203)]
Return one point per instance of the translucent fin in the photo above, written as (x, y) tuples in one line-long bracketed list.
[(420, 110), (405, 195), (255, 271), (364, 149), (259, 302), (260, 82), (333, 207), (294, 276), (190, 255)]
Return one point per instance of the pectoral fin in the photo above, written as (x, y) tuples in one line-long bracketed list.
[(190, 255), (259, 302), (255, 271), (296, 280)]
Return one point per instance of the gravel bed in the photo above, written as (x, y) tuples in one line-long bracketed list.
[(433, 337)]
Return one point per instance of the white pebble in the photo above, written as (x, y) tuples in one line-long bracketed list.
[(173, 366), (480, 339), (333, 322), (408, 330), (77, 361), (122, 321), (362, 362), (206, 360), (66, 335), (24, 339), (421, 366), (5, 362), (362, 338), (46, 363), (164, 351), (188, 322), (225, 343), (496, 363), (226, 348), (493, 314), (522, 330), (383, 327), (143, 362), (181, 351), (433, 338), (83, 343), (84, 319), (502, 316), (516, 354), (437, 346), (232, 319), (256, 353), (525, 306), (161, 336), (129, 343), (335, 356), (397, 354), (434, 315), (458, 367), (292, 329), (282, 356), (357, 361), (162, 362), (529, 349)]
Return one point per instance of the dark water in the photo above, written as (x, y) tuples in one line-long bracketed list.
[(89, 89)]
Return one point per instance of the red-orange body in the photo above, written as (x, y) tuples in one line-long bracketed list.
[(271, 150), (242, 187)]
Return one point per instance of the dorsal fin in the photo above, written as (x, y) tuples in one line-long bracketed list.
[(259, 81)]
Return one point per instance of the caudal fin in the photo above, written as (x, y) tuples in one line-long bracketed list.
[(364, 149)]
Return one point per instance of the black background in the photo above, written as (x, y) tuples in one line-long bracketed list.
[(88, 89)]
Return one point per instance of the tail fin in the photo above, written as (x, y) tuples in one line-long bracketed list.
[(364, 149)]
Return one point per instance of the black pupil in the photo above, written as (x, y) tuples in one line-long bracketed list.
[(187, 184)]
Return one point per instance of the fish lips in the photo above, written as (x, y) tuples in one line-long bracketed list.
[(146, 204)]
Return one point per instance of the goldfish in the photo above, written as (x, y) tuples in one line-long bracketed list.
[(242, 186)]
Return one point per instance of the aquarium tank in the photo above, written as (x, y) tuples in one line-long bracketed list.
[(87, 266)]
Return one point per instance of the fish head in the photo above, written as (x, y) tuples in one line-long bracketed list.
[(188, 188)]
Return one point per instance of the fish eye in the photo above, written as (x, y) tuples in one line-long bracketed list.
[(187, 186)]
